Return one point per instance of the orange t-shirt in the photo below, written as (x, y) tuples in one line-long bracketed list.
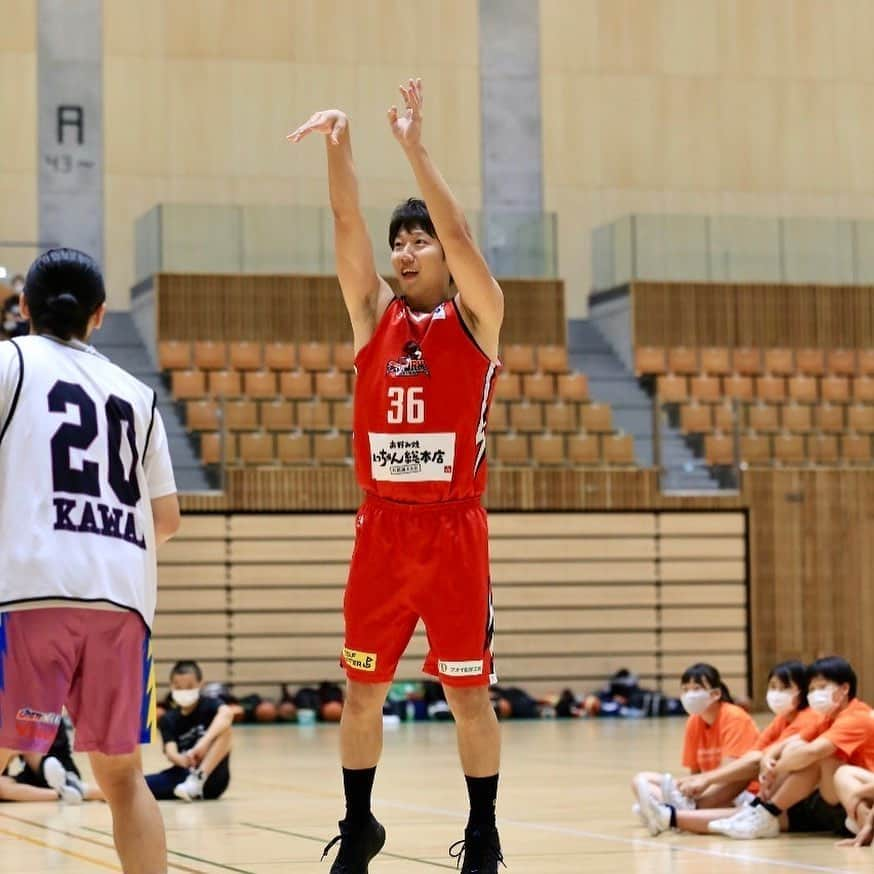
[(852, 733), (805, 722), (732, 734)]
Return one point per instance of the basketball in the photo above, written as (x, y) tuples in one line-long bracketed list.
[(265, 712), (503, 708), (592, 705), (332, 711), (286, 711), (239, 713)]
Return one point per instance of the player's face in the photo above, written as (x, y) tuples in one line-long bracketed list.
[(419, 263)]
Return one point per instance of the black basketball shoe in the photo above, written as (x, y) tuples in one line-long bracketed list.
[(358, 845), (480, 849)]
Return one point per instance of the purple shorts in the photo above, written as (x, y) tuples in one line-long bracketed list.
[(96, 662)]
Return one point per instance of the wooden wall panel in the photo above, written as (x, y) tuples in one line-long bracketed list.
[(722, 314), (266, 308)]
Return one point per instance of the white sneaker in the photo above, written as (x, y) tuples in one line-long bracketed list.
[(636, 811), (749, 824), (671, 795), (852, 826), (744, 799), (56, 777), (657, 815), (191, 788)]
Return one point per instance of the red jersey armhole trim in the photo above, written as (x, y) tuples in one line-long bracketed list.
[(379, 326), (469, 333)]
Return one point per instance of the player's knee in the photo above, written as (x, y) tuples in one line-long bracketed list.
[(363, 699), (469, 703)]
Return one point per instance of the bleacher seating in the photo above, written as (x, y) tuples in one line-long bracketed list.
[(290, 404), (790, 407)]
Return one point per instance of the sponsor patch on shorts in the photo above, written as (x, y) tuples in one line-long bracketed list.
[(361, 661), (460, 669)]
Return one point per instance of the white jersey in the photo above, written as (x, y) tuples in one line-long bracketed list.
[(83, 452)]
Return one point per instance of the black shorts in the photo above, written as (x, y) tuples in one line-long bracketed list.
[(32, 778), (163, 783), (815, 814)]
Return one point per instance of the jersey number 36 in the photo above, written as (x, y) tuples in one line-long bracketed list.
[(406, 405)]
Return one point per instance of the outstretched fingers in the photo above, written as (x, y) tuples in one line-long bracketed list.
[(316, 123)]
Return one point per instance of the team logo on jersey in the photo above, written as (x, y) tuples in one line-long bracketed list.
[(411, 362), (361, 661)]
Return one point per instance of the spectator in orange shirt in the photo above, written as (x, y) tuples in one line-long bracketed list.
[(787, 700), (718, 732), (798, 790)]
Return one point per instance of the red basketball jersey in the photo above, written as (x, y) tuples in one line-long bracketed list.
[(422, 397)]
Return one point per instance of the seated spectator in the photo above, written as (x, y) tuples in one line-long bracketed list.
[(196, 733), (50, 777), (11, 323)]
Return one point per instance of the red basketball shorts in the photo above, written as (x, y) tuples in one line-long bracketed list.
[(412, 562), (96, 662)]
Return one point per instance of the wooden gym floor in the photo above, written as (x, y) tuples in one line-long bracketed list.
[(564, 807)]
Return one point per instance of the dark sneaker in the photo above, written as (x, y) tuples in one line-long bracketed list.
[(358, 845), (480, 849)]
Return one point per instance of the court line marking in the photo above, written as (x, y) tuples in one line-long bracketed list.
[(384, 854), (38, 843), (87, 840), (635, 842), (183, 855)]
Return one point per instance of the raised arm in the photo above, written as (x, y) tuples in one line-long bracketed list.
[(479, 294), (365, 293)]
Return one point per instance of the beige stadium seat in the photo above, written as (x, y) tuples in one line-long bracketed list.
[(538, 386), (512, 449), (257, 448), (789, 449), (841, 362), (650, 361), (618, 449), (519, 358), (797, 418), (823, 448), (498, 419), (315, 356), (719, 449), (763, 417), (314, 415), (865, 362), (561, 418), (672, 388), (715, 361), (331, 448), (342, 416), (695, 419), (241, 415), (738, 387), (175, 355), (683, 359), (210, 447), (596, 418), (294, 448), (779, 362), (835, 389), (259, 384), (573, 387), (810, 361), (584, 449), (803, 389), (705, 388), (296, 384), (771, 388), (755, 449), (548, 449), (829, 418), (277, 415), (526, 418), (343, 357), (245, 355), (225, 384), (863, 390), (856, 448), (746, 360), (332, 384), (725, 417), (188, 384), (210, 355), (552, 359), (202, 415), (280, 356), (860, 418), (508, 387)]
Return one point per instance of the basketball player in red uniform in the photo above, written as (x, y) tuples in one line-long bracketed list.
[(426, 362)]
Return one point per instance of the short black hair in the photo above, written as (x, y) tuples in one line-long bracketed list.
[(837, 670), (63, 289), (187, 666), (701, 672), (410, 215), (789, 673)]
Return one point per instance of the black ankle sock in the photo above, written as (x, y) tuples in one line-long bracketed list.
[(483, 794), (358, 785), (673, 822), (756, 802), (771, 808)]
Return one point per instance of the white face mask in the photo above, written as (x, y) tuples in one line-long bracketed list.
[(781, 701), (185, 697), (696, 701), (823, 700)]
